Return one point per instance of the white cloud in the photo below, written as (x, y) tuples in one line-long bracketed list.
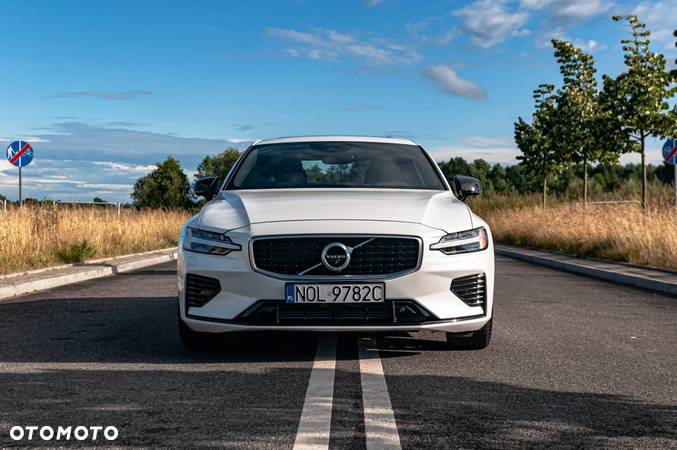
[(661, 20), (29, 139), (448, 80), (332, 45), (589, 46), (105, 95), (109, 186), (489, 22), (543, 41), (568, 11), (124, 168), (490, 148), (520, 33)]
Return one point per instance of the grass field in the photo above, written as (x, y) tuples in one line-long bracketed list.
[(620, 232), (33, 237)]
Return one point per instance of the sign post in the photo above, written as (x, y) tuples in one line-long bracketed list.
[(670, 157), (20, 154)]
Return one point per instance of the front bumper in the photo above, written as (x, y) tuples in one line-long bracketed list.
[(242, 288)]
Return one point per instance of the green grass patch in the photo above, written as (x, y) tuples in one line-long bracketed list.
[(75, 253)]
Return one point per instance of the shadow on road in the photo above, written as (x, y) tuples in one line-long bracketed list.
[(212, 406), (485, 414), (127, 330)]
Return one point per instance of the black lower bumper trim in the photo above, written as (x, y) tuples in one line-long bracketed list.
[(275, 312)]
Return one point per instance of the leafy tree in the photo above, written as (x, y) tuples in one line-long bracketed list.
[(540, 150), (218, 165), (480, 170), (98, 200), (578, 110), (637, 99), (455, 166), (165, 187)]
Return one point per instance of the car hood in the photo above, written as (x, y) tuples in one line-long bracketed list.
[(236, 209)]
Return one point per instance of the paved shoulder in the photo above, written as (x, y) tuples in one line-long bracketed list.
[(664, 281), (574, 362)]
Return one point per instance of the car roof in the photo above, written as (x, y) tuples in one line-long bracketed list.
[(337, 138)]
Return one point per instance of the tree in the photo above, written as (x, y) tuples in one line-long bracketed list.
[(98, 200), (218, 165), (636, 100), (540, 149), (455, 166), (165, 187), (578, 110)]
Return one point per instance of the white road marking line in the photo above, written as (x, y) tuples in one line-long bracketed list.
[(379, 419), (315, 423)]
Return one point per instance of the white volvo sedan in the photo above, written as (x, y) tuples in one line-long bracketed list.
[(336, 233)]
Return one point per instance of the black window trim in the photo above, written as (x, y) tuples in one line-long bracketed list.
[(240, 160)]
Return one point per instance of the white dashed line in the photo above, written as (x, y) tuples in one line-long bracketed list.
[(315, 423), (379, 420)]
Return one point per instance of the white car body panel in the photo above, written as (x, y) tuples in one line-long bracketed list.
[(235, 209), (245, 215)]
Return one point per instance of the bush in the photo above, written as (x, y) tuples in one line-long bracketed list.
[(76, 252)]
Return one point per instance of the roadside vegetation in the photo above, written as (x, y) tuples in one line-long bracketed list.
[(621, 232), (40, 236)]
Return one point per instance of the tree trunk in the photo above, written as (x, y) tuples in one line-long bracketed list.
[(585, 181), (545, 190), (644, 183)]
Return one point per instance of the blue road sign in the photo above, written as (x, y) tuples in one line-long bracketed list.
[(20, 153), (670, 151)]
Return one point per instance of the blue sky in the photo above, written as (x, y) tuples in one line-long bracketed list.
[(103, 90)]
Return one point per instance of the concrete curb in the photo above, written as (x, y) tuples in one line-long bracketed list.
[(646, 278), (41, 279)]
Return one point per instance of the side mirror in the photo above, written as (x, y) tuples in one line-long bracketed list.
[(206, 187), (466, 186)]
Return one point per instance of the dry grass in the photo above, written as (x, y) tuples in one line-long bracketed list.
[(619, 232), (33, 237)]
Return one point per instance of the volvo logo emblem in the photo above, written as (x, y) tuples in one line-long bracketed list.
[(336, 256)]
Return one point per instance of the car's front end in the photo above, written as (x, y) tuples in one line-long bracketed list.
[(335, 259)]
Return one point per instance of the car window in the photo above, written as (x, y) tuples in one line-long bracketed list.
[(336, 165)]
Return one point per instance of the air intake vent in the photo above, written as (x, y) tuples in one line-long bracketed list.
[(472, 289), (199, 289)]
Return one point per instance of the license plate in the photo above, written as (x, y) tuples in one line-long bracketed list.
[(335, 293)]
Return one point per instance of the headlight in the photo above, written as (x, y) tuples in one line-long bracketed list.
[(463, 242), (202, 241)]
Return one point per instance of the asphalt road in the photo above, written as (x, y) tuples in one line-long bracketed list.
[(574, 362)]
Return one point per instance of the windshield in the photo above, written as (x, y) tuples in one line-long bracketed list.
[(336, 165)]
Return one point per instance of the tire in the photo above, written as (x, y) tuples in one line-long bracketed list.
[(475, 340), (194, 340)]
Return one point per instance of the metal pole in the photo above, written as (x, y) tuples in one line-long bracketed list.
[(118, 205), (20, 197)]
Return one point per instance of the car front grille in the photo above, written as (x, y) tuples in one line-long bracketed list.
[(199, 289), (472, 289), (390, 312), (372, 255)]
